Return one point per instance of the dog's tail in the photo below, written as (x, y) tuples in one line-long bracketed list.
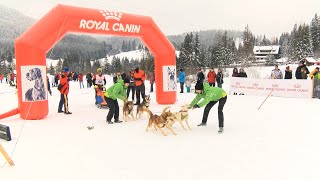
[(165, 109)]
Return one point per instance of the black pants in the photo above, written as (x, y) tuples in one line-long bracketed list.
[(219, 85), (113, 109), (63, 101), (151, 87), (181, 87), (133, 89), (208, 107), (212, 84), (140, 90)]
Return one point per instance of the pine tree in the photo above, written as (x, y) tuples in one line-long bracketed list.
[(315, 35), (196, 51), (248, 44)]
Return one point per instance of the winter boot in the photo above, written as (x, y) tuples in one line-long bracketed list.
[(117, 121), (202, 124), (220, 130)]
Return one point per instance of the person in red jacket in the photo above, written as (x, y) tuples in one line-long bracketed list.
[(212, 77), (139, 78), (80, 77), (63, 87)]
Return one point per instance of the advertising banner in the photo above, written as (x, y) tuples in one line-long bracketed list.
[(296, 88)]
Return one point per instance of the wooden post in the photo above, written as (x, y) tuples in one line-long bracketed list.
[(5, 154)]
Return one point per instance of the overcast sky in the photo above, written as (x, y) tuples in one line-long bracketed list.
[(269, 17)]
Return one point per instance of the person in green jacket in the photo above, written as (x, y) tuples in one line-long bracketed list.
[(116, 91), (210, 96)]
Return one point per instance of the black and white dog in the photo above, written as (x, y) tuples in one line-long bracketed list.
[(38, 91), (171, 80)]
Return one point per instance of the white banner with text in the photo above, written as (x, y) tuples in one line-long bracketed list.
[(297, 88)]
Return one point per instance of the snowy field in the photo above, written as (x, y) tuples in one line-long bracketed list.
[(278, 142)]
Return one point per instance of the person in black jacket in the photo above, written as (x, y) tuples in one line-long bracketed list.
[(288, 73), (242, 73), (298, 71), (200, 76), (219, 78)]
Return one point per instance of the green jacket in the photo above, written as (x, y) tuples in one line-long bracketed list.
[(116, 91), (208, 94), (317, 76)]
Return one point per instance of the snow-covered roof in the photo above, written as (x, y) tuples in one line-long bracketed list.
[(310, 59), (266, 49)]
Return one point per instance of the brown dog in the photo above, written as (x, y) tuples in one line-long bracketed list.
[(161, 121), (127, 109), (182, 116), (144, 105)]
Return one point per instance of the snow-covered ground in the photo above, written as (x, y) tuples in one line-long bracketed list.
[(278, 142)]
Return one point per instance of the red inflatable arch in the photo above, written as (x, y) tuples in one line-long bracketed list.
[(32, 46)]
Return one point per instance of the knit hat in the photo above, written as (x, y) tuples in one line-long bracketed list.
[(65, 69), (126, 80), (199, 86)]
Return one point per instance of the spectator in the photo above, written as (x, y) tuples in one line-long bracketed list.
[(288, 73), (304, 74), (116, 77), (89, 80), (63, 87), (276, 73), (242, 73), (298, 70), (200, 76), (219, 78), (235, 73), (139, 78), (315, 74), (80, 77), (181, 80), (212, 77), (152, 79), (132, 85), (1, 78), (188, 84), (49, 89)]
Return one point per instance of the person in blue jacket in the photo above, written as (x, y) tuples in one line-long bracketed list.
[(181, 80)]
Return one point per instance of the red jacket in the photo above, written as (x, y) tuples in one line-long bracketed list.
[(80, 77), (139, 77), (211, 77), (65, 84)]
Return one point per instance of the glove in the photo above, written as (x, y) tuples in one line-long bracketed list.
[(195, 106)]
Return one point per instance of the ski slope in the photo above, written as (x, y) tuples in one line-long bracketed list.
[(279, 141)]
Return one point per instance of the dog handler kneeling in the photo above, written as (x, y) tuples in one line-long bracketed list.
[(210, 95), (116, 91), (64, 90)]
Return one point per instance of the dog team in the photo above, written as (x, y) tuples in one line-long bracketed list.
[(207, 96)]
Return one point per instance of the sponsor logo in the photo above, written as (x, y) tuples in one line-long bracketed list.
[(111, 15), (109, 26), (275, 85), (297, 85), (255, 84), (238, 83)]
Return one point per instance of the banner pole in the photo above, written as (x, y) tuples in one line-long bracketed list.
[(265, 99)]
